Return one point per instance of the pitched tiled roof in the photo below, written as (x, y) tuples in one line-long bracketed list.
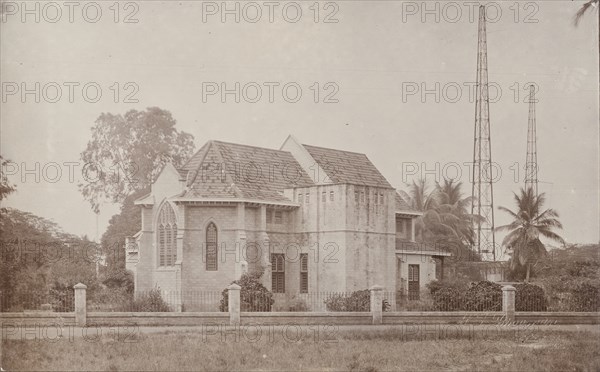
[(228, 170), (402, 205), (347, 167)]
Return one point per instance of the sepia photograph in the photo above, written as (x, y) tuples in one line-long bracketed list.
[(308, 185)]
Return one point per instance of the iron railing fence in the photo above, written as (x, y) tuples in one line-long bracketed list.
[(62, 301), (156, 301), (214, 301)]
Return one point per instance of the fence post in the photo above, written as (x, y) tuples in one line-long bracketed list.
[(80, 304), (376, 304), (508, 302), (234, 304)]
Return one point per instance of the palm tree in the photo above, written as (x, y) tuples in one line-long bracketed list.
[(584, 8), (523, 239), (445, 218), (420, 198), (452, 209)]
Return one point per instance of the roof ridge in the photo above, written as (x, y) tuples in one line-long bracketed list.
[(250, 146), (193, 156), (329, 148)]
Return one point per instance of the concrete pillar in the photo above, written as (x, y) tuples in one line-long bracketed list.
[(377, 304), (80, 304), (265, 249), (241, 238), (234, 304), (508, 302)]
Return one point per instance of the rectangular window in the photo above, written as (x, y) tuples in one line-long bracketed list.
[(300, 198), (413, 282), (331, 196), (278, 273), (356, 196), (303, 272), (269, 216), (400, 226), (324, 196), (380, 198), (307, 198), (278, 217)]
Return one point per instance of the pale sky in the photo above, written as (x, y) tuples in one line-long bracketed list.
[(374, 50)]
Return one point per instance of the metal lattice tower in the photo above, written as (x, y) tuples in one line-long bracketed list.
[(483, 191), (531, 164)]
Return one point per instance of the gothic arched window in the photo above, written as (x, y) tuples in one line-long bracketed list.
[(211, 247), (167, 235)]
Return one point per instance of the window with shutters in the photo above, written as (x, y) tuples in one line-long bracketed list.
[(277, 273), (303, 272), (167, 235), (413, 282), (211, 247)]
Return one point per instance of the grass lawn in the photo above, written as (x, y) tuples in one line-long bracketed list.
[(371, 349)]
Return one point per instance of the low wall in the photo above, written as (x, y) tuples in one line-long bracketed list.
[(355, 318), (443, 317), (156, 319), (37, 317), (547, 317), (329, 318)]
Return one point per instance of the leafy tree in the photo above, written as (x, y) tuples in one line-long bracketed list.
[(529, 223), (120, 226), (39, 262), (5, 186), (128, 151)]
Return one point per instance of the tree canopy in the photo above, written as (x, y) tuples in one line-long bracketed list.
[(528, 225), (128, 151)]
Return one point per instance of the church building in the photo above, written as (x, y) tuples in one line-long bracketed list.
[(310, 219)]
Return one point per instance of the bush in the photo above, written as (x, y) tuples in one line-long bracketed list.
[(530, 297), (149, 302), (253, 295), (585, 297), (297, 304), (357, 301), (483, 296), (446, 299)]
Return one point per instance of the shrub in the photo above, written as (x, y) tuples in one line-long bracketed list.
[(459, 283), (483, 296), (149, 302), (357, 301), (446, 299), (253, 295), (297, 304), (109, 299), (585, 297), (530, 297)]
